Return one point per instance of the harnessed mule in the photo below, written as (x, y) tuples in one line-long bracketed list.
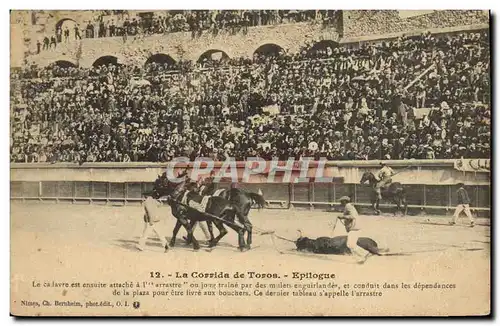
[(181, 198), (241, 200)]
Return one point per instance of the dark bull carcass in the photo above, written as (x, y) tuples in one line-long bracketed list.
[(335, 245)]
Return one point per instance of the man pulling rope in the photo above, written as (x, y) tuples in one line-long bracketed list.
[(349, 216)]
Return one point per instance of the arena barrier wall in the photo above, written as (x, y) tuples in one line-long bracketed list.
[(430, 184)]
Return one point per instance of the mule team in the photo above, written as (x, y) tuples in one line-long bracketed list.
[(192, 203)]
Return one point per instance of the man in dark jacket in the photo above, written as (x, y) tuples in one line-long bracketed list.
[(462, 205)]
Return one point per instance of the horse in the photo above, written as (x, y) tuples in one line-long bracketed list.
[(191, 185), (183, 192), (394, 193), (240, 199)]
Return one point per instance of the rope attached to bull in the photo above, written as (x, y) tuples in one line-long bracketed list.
[(273, 235), (271, 232)]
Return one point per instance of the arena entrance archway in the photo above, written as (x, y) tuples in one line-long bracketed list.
[(106, 60), (268, 49), (66, 22), (64, 64), (213, 54), (62, 25), (69, 23), (160, 58)]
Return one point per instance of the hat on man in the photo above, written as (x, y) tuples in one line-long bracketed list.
[(345, 198), (460, 184)]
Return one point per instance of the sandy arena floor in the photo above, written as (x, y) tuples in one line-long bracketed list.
[(87, 243)]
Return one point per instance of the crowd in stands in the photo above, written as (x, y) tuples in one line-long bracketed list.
[(425, 97), (392, 21), (194, 21)]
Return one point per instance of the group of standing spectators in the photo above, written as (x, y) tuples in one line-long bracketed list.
[(423, 97), (194, 21)]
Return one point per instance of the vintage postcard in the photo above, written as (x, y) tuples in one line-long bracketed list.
[(250, 163)]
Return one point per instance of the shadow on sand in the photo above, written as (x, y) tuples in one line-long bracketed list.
[(447, 224), (131, 244)]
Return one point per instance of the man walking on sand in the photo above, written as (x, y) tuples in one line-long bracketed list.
[(462, 205), (151, 218)]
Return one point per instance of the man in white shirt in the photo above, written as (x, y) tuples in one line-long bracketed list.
[(151, 219), (349, 218)]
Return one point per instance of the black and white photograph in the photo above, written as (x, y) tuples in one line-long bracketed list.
[(250, 162)]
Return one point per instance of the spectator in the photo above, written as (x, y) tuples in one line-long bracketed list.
[(66, 34), (77, 32), (53, 41), (46, 42)]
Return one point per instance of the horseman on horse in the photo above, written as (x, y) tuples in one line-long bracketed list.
[(383, 188), (384, 176)]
